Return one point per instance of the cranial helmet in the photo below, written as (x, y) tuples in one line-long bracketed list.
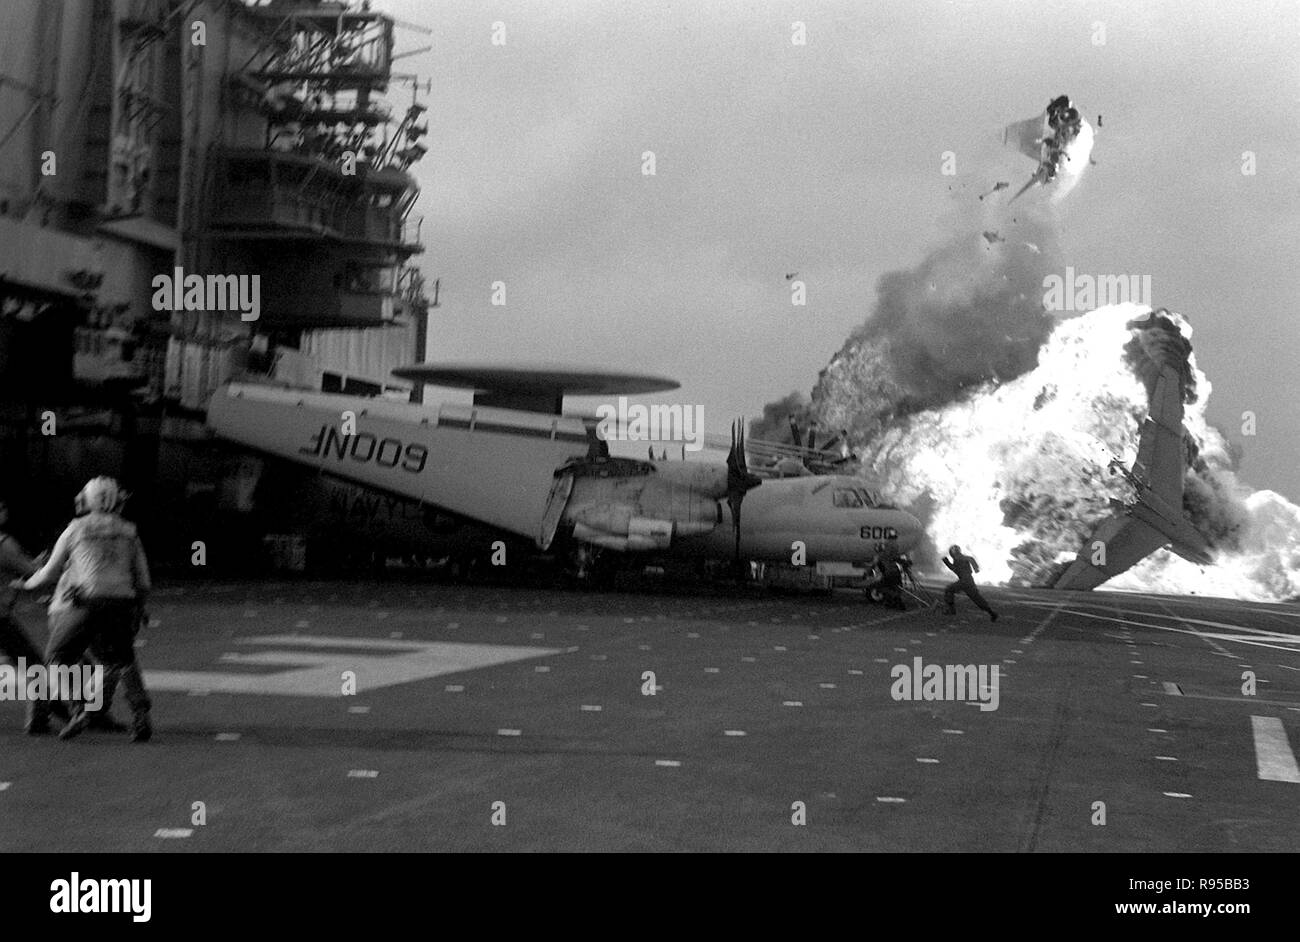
[(954, 550), (100, 494)]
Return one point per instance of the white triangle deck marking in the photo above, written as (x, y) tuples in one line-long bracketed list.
[(309, 673)]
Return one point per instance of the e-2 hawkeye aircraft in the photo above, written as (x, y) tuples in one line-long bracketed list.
[(514, 462)]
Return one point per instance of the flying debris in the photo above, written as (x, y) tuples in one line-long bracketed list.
[(1000, 185), (1099, 120), (991, 237), (1059, 139), (790, 276), (1155, 518), (1032, 247)]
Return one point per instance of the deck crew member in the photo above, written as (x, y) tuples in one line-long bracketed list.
[(964, 567), (99, 600)]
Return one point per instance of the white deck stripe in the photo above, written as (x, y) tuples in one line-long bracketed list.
[(1273, 757), (1204, 636), (1038, 629)]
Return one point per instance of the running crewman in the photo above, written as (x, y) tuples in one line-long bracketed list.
[(964, 568)]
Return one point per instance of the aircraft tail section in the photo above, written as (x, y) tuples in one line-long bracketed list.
[(1026, 136)]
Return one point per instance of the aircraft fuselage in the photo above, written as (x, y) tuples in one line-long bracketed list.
[(498, 467)]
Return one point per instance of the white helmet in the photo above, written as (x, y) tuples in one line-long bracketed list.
[(100, 495)]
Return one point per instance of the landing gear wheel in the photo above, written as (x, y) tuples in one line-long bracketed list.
[(591, 568)]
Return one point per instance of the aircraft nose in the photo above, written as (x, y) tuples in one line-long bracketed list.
[(909, 532), (897, 527)]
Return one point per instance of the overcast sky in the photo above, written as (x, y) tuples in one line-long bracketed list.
[(825, 159)]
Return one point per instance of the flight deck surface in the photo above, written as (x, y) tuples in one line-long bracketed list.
[(494, 718)]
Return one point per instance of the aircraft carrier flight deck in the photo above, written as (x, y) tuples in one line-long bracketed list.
[(396, 715)]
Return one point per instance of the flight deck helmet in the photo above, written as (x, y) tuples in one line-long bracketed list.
[(101, 495)]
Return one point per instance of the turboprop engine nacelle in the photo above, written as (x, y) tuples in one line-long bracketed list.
[(705, 480), (645, 512), (642, 534)]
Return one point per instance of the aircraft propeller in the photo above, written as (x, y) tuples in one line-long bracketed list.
[(739, 480)]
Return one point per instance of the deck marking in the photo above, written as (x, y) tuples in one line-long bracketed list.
[(1042, 625), (1206, 636), (1173, 689), (1274, 760), (314, 664), (667, 763), (173, 832), (363, 773)]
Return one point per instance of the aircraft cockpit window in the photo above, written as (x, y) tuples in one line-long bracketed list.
[(847, 498), (870, 498)]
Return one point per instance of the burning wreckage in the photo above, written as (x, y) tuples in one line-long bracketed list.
[(997, 423)]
